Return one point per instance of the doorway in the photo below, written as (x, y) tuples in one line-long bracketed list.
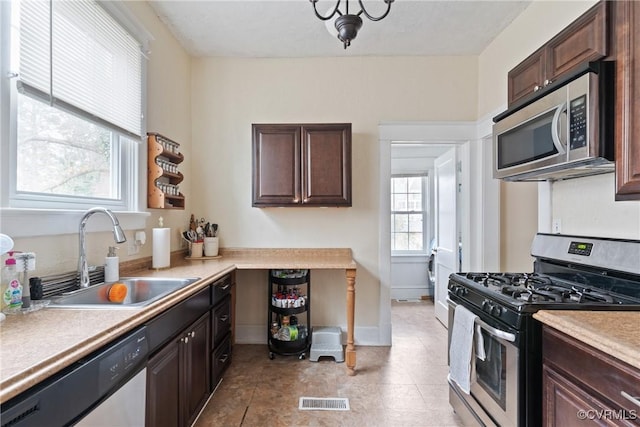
[(474, 165)]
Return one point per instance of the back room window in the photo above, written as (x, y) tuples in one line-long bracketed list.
[(408, 214)]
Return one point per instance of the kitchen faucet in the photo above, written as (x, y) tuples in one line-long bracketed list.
[(118, 236)]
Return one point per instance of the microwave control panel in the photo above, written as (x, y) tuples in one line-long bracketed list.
[(578, 122)]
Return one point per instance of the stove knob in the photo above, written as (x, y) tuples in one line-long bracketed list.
[(496, 311), (486, 305)]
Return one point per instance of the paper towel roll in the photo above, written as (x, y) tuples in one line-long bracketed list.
[(161, 247)]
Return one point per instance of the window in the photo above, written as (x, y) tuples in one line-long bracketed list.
[(408, 214), (76, 100)]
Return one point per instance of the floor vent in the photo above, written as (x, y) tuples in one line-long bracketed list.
[(324, 404)]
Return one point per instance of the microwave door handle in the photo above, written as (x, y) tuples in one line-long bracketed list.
[(555, 132)]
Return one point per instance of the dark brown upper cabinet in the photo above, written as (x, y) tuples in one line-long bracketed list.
[(301, 165), (627, 125), (585, 39)]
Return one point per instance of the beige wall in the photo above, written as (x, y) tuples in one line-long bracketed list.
[(169, 113), (231, 94), (587, 207)]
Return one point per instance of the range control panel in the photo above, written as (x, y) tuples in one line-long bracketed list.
[(580, 248)]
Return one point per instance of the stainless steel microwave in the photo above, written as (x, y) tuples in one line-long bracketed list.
[(564, 133)]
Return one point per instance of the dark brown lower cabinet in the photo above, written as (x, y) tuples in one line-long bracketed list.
[(178, 377), (583, 386)]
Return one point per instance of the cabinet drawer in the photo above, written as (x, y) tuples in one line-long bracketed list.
[(606, 377), (221, 320), (221, 359), (220, 289)]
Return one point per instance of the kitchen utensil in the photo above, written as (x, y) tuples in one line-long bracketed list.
[(215, 230)]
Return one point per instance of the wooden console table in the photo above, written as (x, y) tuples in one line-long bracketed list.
[(327, 259)]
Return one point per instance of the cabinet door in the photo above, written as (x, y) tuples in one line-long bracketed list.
[(326, 164), (276, 165), (197, 368), (527, 77), (584, 40), (163, 387), (627, 127)]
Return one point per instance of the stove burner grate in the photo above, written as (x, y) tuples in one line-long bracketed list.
[(537, 288)]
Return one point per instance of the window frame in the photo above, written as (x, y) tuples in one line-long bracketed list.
[(424, 212), (32, 214)]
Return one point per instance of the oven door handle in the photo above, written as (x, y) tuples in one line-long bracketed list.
[(507, 336)]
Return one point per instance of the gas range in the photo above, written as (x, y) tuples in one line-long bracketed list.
[(557, 282), (569, 273)]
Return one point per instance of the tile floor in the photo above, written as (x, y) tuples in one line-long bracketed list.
[(401, 385)]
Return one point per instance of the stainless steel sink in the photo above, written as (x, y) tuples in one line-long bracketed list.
[(141, 291)]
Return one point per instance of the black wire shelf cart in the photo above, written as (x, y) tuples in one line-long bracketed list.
[(289, 315)]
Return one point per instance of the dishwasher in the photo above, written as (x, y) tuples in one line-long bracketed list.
[(107, 388)]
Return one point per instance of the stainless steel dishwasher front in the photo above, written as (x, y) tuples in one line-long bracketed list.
[(124, 408)]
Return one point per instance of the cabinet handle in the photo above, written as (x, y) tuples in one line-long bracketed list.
[(225, 287), (536, 88), (224, 318), (634, 400), (224, 358), (192, 334), (548, 82), (186, 339)]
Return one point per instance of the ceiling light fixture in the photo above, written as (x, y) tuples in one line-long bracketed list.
[(348, 24)]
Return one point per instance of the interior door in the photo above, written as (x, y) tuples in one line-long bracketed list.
[(446, 258)]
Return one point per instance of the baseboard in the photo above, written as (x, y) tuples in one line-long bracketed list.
[(409, 293), (257, 334)]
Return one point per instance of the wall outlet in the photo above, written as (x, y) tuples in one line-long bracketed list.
[(557, 226), (132, 247)]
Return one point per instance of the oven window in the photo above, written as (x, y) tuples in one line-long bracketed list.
[(527, 142), (491, 372)]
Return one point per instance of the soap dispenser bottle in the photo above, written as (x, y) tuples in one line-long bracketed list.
[(11, 287), (112, 266)]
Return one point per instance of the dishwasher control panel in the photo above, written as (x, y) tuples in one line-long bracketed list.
[(122, 359)]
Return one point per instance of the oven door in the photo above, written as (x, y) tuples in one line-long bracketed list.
[(493, 400)]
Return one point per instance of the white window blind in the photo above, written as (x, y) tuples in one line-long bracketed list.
[(74, 55)]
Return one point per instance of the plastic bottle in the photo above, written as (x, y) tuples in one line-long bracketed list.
[(11, 287), (112, 266)]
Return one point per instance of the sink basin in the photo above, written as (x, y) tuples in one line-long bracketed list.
[(141, 291)]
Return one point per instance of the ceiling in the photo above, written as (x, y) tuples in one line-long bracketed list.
[(289, 28)]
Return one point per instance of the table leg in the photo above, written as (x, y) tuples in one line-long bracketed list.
[(351, 301)]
